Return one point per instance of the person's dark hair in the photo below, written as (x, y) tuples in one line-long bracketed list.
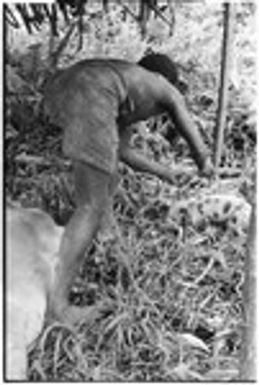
[(162, 64)]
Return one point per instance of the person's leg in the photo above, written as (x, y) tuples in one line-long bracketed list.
[(92, 192)]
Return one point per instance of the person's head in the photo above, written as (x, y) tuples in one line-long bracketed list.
[(162, 64)]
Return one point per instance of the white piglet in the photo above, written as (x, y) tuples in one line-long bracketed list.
[(32, 240)]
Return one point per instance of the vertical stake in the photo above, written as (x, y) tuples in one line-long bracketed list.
[(224, 80)]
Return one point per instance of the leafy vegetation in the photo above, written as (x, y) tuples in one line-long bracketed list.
[(166, 277)]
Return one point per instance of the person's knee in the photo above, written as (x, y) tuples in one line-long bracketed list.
[(94, 209), (92, 186)]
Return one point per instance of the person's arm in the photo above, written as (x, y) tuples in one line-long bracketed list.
[(137, 161), (141, 163), (173, 102)]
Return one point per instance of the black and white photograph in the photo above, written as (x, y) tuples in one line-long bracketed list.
[(129, 191)]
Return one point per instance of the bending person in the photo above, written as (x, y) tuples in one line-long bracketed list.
[(95, 101)]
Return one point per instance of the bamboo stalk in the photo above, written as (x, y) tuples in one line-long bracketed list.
[(224, 82)]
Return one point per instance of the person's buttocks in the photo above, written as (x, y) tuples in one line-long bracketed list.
[(85, 101)]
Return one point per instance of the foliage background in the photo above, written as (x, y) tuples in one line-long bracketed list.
[(178, 317)]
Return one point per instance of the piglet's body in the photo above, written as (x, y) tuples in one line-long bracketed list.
[(32, 241)]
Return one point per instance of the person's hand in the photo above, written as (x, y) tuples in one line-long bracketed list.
[(208, 170), (180, 174)]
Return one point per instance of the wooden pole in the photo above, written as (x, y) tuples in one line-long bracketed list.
[(224, 78), (247, 370)]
